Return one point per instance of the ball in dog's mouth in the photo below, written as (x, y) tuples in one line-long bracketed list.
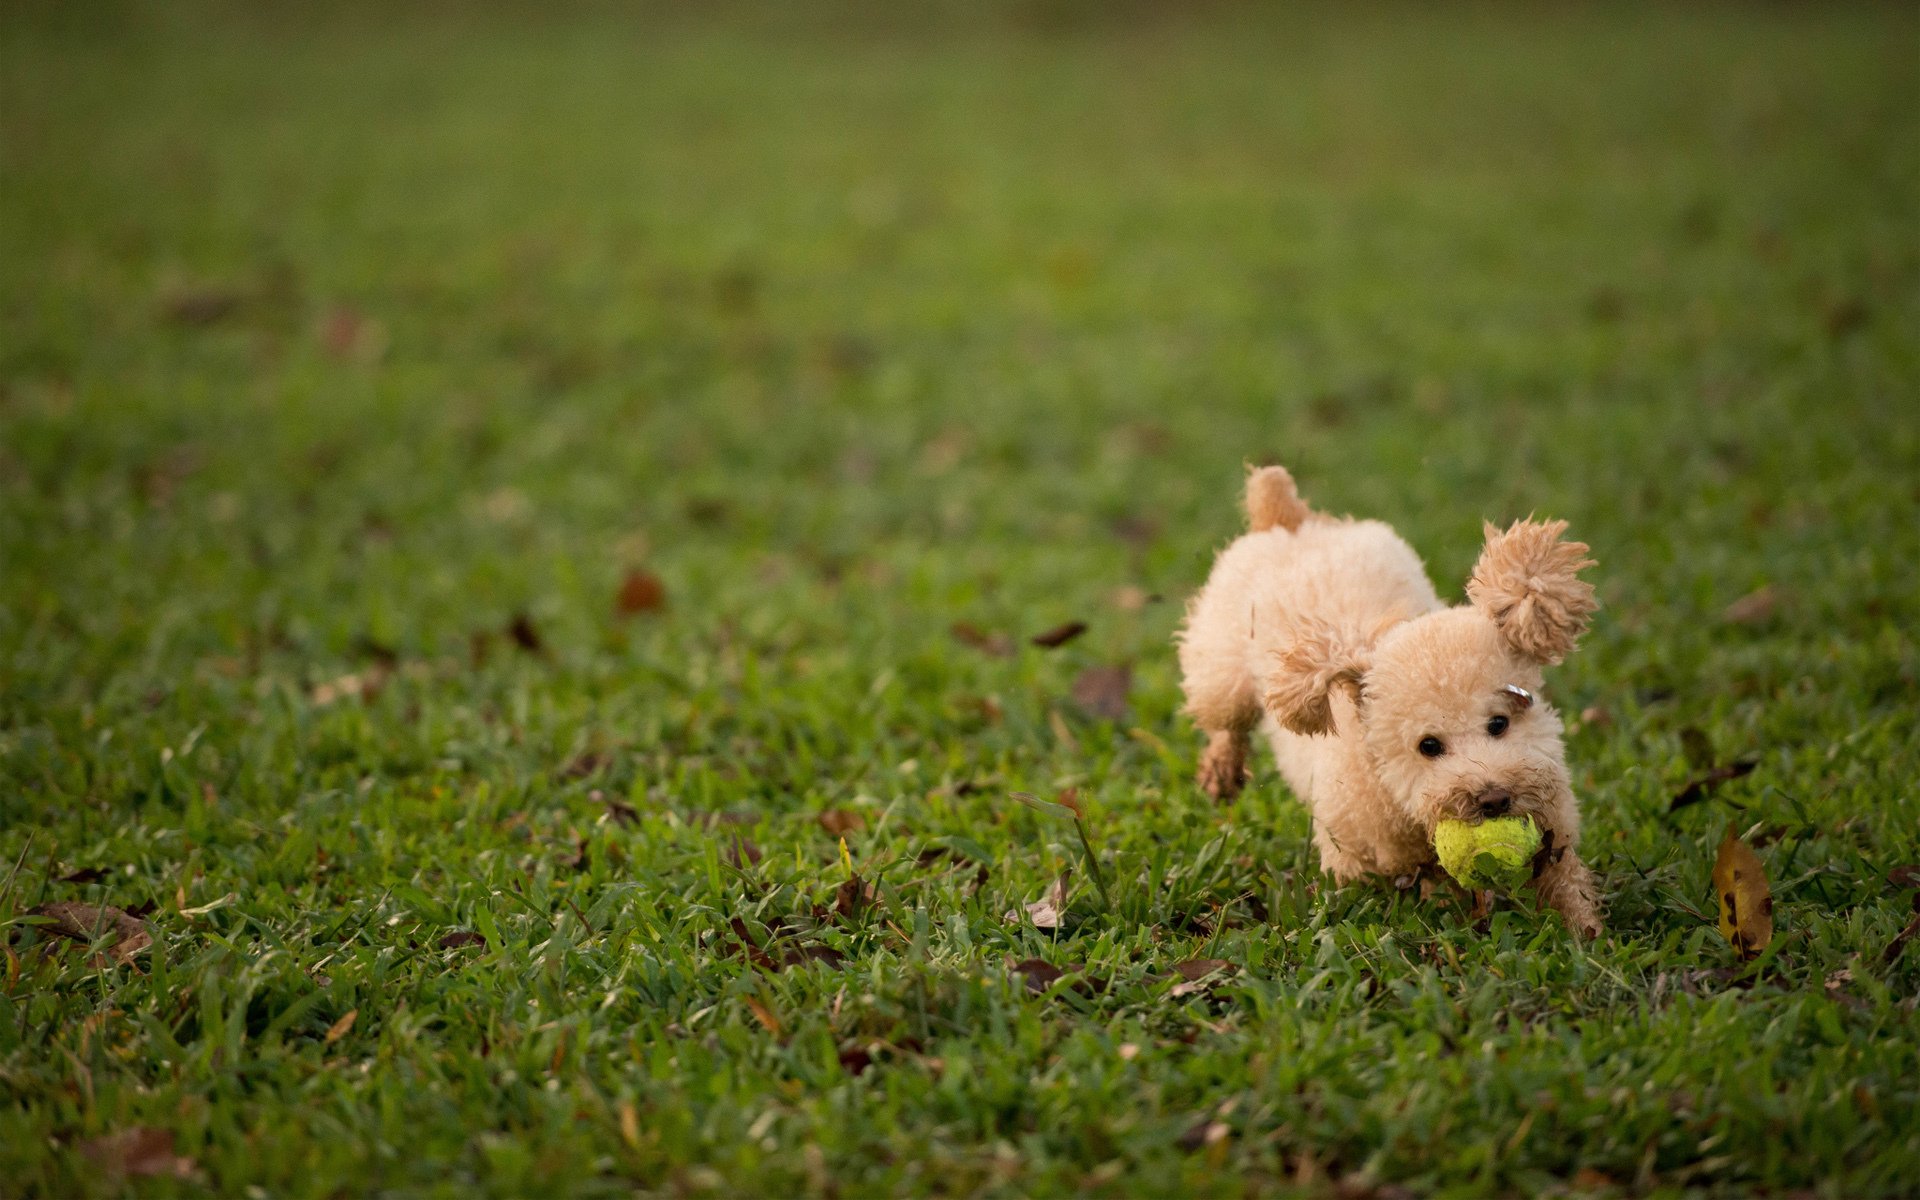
[(1491, 854)]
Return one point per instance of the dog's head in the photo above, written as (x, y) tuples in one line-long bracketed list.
[(1448, 704)]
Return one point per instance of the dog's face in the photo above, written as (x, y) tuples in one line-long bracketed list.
[(1453, 720), (1448, 704)]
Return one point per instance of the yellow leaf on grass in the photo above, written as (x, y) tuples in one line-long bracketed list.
[(1746, 903), (764, 1015), (339, 1028)]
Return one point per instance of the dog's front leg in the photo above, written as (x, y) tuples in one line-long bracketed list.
[(1563, 882)]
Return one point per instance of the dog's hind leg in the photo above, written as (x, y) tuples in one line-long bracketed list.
[(1221, 699)]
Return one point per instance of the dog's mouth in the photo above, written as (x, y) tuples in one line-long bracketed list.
[(1528, 793)]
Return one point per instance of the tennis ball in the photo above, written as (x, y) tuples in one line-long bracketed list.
[(1496, 854)]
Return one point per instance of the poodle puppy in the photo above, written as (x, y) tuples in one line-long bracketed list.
[(1388, 711)]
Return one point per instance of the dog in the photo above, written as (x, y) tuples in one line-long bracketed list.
[(1387, 710)]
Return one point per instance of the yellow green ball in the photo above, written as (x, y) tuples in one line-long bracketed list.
[(1492, 854)]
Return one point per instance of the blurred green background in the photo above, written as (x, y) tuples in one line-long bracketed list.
[(336, 340)]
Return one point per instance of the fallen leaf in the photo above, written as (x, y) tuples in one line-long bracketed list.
[(1102, 691), (629, 1124), (812, 952), (854, 1060), (1905, 935), (83, 922), (1754, 608), (840, 821), (1699, 789), (640, 592), (763, 1014), (85, 875), (853, 897), (339, 1028), (138, 1151), (999, 645), (1046, 912), (521, 630), (1746, 904), (755, 954), (1136, 531), (742, 853), (1205, 1132), (1038, 973), (1904, 877), (1845, 315), (1060, 635), (201, 306), (348, 333), (461, 937), (1199, 968), (622, 812), (585, 764)]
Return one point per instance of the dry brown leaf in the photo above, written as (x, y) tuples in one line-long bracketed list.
[(1046, 912), (1700, 788), (999, 645), (1746, 903), (853, 897), (1102, 691), (812, 952), (1038, 973), (138, 1151), (461, 937), (1904, 877), (840, 821), (640, 592), (1059, 635), (525, 635), (201, 306), (340, 1028), (764, 1015), (347, 333), (83, 922), (1754, 608), (1205, 1132), (855, 1059), (751, 946)]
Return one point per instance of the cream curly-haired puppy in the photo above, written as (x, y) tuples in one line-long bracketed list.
[(1389, 711)]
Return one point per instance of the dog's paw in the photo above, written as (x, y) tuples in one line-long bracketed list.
[(1223, 766)]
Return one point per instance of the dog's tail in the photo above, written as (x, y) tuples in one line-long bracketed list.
[(1272, 500)]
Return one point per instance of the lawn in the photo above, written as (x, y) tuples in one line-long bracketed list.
[(521, 529)]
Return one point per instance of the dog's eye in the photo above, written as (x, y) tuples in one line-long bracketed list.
[(1432, 747), (1497, 725)]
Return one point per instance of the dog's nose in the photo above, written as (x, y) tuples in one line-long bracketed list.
[(1494, 802)]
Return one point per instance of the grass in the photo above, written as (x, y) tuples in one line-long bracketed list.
[(333, 345)]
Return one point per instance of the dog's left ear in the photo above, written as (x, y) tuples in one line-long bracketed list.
[(1315, 660), (1528, 583)]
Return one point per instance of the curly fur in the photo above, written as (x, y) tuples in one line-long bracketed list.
[(1272, 502), (1319, 658), (1329, 631), (1528, 581)]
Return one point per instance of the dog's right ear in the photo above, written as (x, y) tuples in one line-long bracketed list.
[(1304, 671)]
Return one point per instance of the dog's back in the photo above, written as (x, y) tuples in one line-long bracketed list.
[(1350, 574)]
